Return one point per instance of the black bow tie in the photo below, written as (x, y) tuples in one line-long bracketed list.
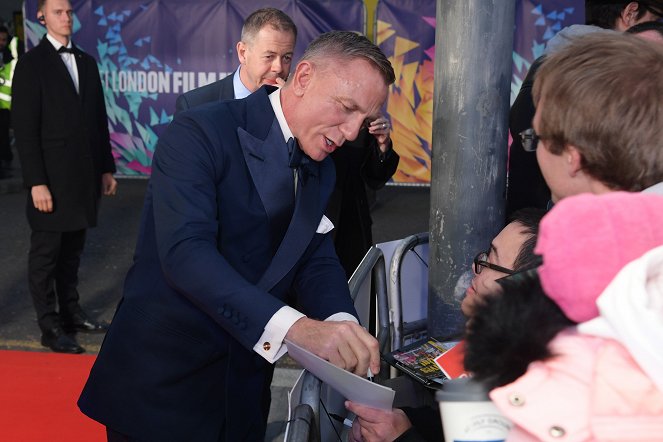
[(298, 160), (64, 49)]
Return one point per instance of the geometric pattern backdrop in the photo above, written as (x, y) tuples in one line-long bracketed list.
[(148, 55)]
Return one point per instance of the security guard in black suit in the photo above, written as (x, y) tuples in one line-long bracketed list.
[(62, 138)]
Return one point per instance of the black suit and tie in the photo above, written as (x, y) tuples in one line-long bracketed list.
[(62, 138), (359, 164)]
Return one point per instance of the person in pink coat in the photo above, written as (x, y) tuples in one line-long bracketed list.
[(601, 379)]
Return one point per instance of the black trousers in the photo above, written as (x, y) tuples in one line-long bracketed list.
[(53, 275)]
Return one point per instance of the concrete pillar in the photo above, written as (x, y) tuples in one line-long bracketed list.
[(473, 46)]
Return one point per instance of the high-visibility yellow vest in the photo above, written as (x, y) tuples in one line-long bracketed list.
[(6, 76)]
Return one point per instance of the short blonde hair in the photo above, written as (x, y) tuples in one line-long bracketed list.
[(603, 94)]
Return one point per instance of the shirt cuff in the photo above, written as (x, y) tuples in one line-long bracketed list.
[(342, 316), (382, 156), (270, 345)]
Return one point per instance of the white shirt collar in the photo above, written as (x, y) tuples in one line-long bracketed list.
[(239, 89), (56, 44), (275, 99)]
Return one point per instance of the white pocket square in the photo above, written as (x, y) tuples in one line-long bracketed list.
[(325, 225)]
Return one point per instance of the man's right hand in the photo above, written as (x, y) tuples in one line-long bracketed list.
[(343, 343), (42, 199)]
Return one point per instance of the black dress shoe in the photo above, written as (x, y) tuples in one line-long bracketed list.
[(58, 341), (80, 322)]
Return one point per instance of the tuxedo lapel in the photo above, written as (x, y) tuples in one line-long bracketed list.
[(267, 161), (300, 231)]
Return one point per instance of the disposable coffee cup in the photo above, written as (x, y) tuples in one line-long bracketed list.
[(468, 414)]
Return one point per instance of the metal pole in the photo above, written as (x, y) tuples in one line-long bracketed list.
[(473, 46)]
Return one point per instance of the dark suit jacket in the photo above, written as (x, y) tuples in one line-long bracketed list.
[(217, 91), (177, 362), (61, 136)]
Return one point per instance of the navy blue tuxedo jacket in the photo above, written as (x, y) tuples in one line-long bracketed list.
[(212, 266)]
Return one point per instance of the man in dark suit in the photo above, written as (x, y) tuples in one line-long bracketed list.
[(62, 138), (234, 256), (368, 161), (265, 55)]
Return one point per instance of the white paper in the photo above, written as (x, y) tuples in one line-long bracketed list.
[(351, 386)]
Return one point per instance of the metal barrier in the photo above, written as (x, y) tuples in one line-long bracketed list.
[(306, 416), (395, 298), (373, 265), (306, 424)]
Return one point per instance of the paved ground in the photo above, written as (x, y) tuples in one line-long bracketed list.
[(398, 212)]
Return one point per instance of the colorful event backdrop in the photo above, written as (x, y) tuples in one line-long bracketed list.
[(406, 32), (149, 52)]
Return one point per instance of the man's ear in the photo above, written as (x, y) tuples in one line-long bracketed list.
[(301, 79), (573, 159), (241, 52), (628, 16)]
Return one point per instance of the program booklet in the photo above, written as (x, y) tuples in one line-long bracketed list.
[(419, 361)]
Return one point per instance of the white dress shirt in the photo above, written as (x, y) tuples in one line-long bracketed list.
[(239, 89)]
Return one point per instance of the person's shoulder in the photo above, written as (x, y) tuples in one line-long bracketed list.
[(34, 56), (205, 94), (84, 55), (35, 51), (256, 103), (656, 189), (213, 113)]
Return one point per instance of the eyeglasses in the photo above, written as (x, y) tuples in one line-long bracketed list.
[(481, 261), (529, 139)]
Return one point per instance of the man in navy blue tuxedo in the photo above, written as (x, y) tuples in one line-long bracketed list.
[(265, 55), (234, 256)]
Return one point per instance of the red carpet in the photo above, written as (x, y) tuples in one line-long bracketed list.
[(38, 394)]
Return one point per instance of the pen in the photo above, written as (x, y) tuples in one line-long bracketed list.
[(369, 375)]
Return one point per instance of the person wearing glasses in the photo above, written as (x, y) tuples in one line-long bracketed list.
[(598, 117), (526, 185), (583, 359), (510, 251)]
